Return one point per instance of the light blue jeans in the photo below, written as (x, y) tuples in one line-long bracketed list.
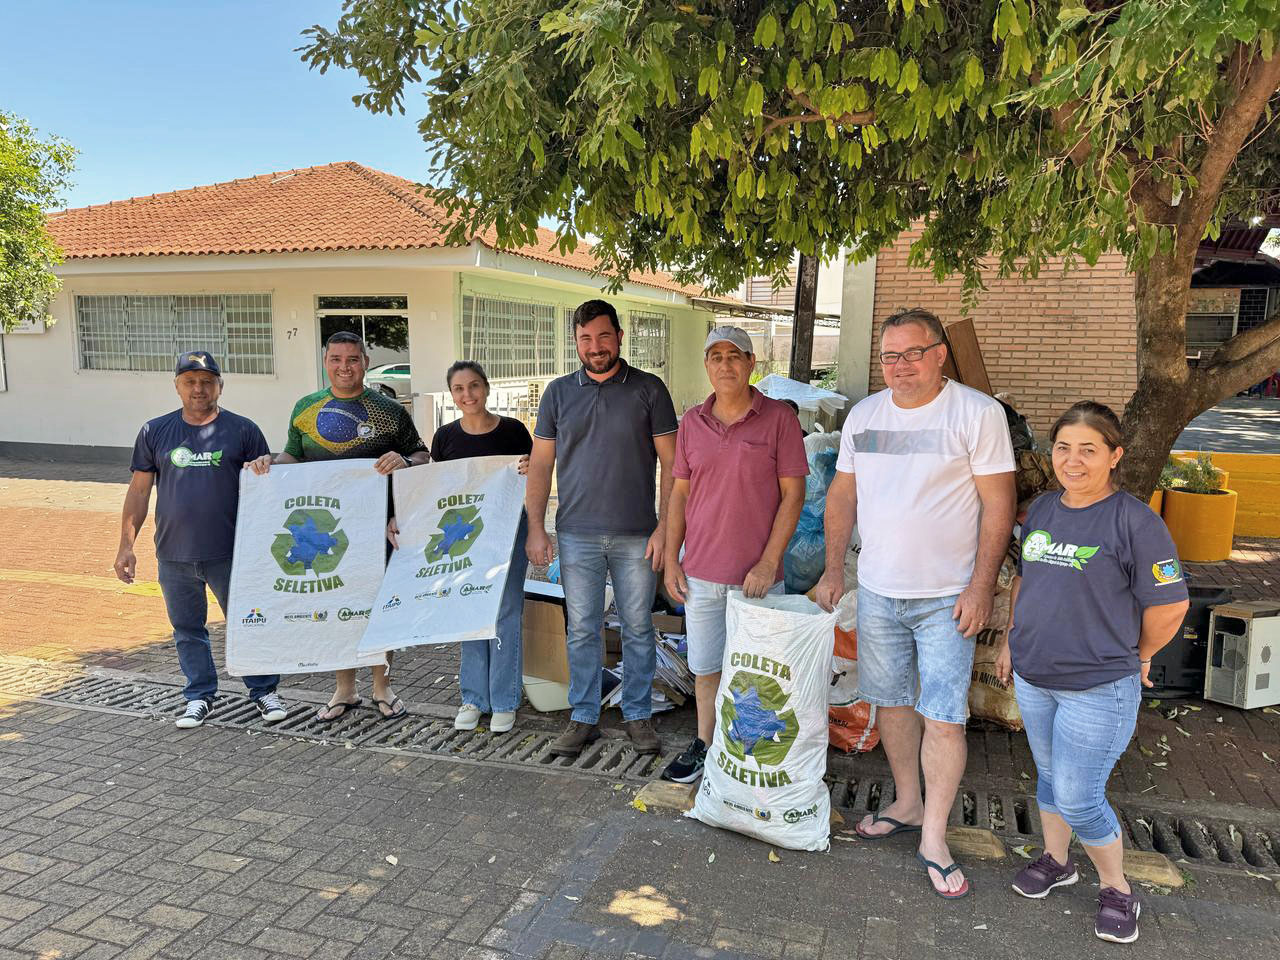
[(1076, 737), (183, 585), (584, 562), (910, 654), (706, 628), (489, 671)]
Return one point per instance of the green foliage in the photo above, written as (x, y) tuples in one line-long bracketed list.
[(33, 175), (1191, 475), (717, 139)]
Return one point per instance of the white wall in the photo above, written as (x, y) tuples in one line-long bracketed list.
[(50, 400)]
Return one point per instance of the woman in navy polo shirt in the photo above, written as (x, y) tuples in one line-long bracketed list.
[(1099, 592)]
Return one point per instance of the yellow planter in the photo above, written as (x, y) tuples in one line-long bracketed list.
[(1201, 524), (1156, 502)]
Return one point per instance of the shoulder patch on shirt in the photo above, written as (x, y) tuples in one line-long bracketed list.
[(1167, 571)]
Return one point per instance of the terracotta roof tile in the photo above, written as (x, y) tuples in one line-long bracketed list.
[(339, 206)]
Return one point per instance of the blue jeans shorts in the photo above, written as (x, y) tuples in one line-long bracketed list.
[(910, 654), (704, 623)]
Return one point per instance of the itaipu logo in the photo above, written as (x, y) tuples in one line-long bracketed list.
[(183, 457), (313, 547), (1039, 547), (460, 527), (755, 721), (253, 618)]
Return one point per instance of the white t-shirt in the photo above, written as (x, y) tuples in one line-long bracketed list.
[(918, 507)]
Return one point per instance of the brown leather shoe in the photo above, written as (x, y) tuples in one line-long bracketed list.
[(575, 737), (644, 739)]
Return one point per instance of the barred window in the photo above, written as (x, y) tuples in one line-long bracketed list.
[(148, 331), (650, 338), (511, 339)]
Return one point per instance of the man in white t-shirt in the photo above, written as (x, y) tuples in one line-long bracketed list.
[(926, 471)]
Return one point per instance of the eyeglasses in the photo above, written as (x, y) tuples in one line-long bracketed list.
[(911, 355)]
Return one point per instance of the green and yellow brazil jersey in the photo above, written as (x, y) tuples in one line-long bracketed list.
[(325, 427)]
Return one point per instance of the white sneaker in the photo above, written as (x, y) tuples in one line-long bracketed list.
[(197, 710), (502, 722), (468, 717)]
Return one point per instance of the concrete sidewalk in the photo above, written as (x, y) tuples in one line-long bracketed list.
[(124, 838)]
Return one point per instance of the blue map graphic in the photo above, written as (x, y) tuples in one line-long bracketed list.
[(308, 543), (454, 533), (753, 722)]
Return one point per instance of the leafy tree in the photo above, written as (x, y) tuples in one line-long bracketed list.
[(33, 175), (715, 137)]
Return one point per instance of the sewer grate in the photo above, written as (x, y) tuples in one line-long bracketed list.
[(430, 736), (1201, 841)]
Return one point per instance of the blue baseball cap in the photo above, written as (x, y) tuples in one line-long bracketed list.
[(197, 360)]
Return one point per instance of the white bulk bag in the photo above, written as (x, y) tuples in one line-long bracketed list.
[(768, 756)]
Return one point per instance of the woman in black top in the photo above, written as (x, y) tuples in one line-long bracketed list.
[(490, 670)]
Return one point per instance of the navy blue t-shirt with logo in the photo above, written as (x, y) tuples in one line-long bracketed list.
[(1087, 575), (197, 481)]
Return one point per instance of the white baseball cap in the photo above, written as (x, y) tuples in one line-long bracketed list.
[(729, 334)]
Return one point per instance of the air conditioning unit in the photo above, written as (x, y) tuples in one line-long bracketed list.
[(1243, 666)]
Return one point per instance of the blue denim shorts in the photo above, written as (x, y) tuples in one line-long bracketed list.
[(704, 623), (910, 654)]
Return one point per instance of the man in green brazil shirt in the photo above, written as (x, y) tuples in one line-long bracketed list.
[(349, 421)]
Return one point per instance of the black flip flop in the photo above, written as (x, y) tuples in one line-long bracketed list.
[(344, 704), (945, 872), (898, 827), (390, 705)]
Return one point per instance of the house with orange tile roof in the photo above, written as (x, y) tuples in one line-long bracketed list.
[(260, 271)]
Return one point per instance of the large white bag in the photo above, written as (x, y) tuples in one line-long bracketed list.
[(769, 753), (457, 522), (310, 546)]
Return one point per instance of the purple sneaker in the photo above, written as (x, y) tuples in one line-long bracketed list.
[(1117, 918), (1043, 874)]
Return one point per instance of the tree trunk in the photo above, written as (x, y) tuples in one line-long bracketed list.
[(1164, 401), (801, 366)]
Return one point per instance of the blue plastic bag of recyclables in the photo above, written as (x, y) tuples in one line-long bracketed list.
[(768, 755), (806, 555)]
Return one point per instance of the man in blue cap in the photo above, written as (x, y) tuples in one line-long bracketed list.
[(194, 456)]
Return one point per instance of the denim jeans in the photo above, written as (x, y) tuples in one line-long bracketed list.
[(911, 654), (490, 671), (1076, 737), (584, 561), (705, 604), (183, 586)]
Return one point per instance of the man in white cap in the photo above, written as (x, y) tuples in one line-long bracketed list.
[(739, 486)]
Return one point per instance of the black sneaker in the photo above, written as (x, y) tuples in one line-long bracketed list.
[(271, 708), (197, 710), (687, 767)]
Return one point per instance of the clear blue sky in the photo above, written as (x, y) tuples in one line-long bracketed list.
[(165, 95)]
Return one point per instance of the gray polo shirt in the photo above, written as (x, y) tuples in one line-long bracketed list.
[(605, 457)]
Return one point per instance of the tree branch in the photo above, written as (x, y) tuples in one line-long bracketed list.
[(1245, 359), (852, 119), (1256, 81)]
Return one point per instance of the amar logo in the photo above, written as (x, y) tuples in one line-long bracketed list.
[(754, 719), (313, 544), (1167, 571), (459, 528), (1039, 547), (183, 457)]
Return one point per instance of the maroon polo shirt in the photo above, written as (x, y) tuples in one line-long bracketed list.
[(733, 476)]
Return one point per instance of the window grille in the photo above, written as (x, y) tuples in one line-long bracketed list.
[(148, 331), (1207, 332), (511, 339), (649, 336)]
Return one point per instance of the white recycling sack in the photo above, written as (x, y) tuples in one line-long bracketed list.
[(457, 522), (309, 550), (764, 769)]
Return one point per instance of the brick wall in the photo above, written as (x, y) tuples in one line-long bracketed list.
[(1049, 341)]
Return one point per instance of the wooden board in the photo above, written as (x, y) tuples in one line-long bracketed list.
[(964, 357)]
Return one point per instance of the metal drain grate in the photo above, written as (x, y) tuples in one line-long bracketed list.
[(69, 686), (1199, 841)]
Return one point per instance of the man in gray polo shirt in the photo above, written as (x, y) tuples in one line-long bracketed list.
[(604, 428)]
